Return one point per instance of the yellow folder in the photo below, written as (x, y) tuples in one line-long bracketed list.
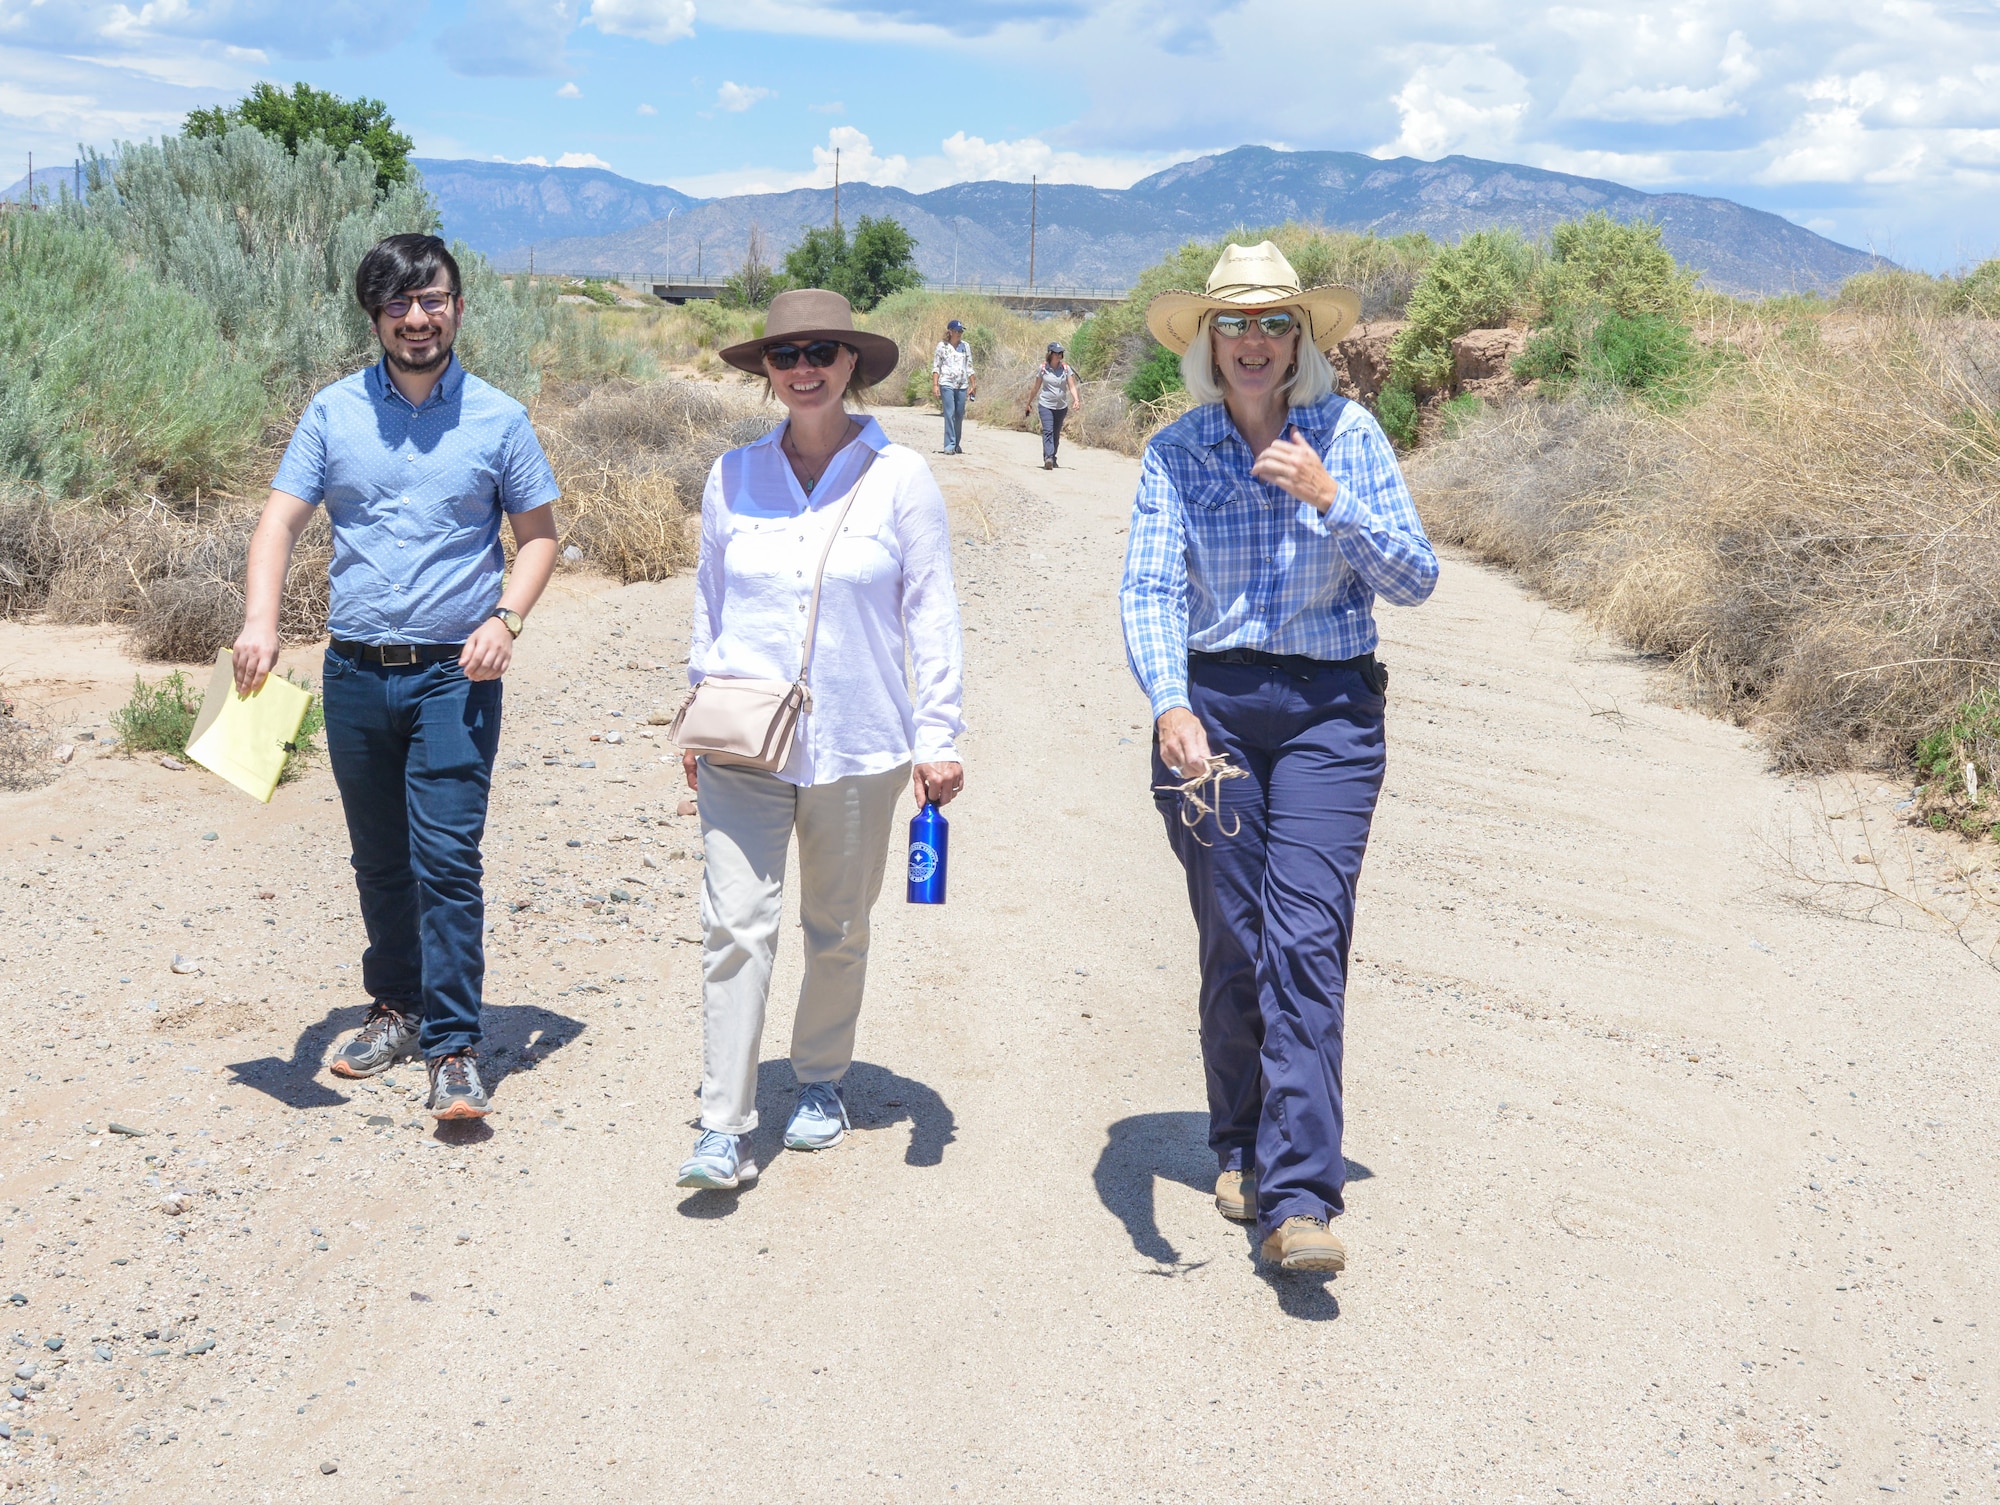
[(246, 739)]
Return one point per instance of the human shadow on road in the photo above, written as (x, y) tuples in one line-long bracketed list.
[(518, 1037), (1146, 1148), (876, 1098)]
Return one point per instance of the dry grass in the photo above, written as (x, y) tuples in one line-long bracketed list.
[(631, 461), (1814, 540), (27, 751)]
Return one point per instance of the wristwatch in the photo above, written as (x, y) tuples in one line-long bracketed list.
[(509, 618)]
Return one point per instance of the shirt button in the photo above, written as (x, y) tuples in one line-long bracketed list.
[(802, 606), (399, 543)]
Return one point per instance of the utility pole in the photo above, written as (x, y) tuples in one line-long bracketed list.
[(670, 243), (954, 253), (836, 188), (31, 180), (1034, 202)]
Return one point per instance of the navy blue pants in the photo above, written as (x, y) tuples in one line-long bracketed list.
[(412, 751), (1274, 908), (952, 400), (1052, 427)]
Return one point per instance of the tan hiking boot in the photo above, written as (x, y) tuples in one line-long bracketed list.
[(1305, 1244), (1236, 1196)]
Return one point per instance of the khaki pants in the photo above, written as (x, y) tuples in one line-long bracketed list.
[(747, 822)]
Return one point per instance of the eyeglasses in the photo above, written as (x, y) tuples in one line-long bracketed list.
[(1235, 326), (431, 303), (820, 353)]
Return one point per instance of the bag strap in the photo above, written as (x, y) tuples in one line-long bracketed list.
[(819, 575)]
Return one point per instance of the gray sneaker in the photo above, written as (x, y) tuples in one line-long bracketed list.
[(718, 1163), (456, 1091), (820, 1120), (386, 1036)]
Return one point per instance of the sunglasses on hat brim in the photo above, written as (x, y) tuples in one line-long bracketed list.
[(820, 354)]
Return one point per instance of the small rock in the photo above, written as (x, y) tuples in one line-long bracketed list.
[(464, 1237), (614, 737), (19, 1298), (646, 860), (65, 753), (419, 1296), (572, 554), (1863, 857), (586, 762), (127, 1131), (53, 1345), (334, 1468), (572, 842), (321, 1246), (186, 966), (686, 807), (208, 836), (597, 736), (660, 718), (202, 1347), (176, 1204), (379, 1121), (103, 1351), (265, 893), (620, 896), (26, 1372), (173, 765)]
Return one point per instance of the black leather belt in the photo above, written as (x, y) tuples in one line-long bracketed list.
[(397, 655), (1299, 665)]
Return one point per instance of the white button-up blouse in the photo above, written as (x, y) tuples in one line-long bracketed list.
[(888, 596)]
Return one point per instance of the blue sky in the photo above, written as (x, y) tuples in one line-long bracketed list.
[(1875, 123)]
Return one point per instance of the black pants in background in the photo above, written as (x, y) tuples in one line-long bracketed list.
[(1052, 422)]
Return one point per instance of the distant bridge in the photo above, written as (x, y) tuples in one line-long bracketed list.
[(1046, 298)]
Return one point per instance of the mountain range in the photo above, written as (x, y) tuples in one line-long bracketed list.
[(587, 220)]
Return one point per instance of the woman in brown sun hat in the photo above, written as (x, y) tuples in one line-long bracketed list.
[(767, 514), (1268, 520)]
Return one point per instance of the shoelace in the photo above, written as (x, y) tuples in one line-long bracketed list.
[(715, 1144), (821, 1097), (381, 1019), (455, 1073)]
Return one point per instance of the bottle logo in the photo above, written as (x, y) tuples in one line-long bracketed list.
[(923, 862)]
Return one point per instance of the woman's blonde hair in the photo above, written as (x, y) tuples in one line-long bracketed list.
[(1312, 380)]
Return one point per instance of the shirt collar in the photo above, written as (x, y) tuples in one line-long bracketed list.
[(871, 434), (1214, 425), (446, 390)]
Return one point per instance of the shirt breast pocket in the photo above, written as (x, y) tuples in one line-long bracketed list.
[(1208, 495)]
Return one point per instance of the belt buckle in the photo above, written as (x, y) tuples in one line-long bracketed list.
[(398, 655)]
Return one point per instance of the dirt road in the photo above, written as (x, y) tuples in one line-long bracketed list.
[(1663, 1189)]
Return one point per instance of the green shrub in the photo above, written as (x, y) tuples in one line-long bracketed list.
[(308, 114), (1598, 265), (1899, 292), (1640, 353), (1396, 408), (1981, 289), (305, 746), (1460, 411), (108, 379), (1970, 734), (1477, 284), (599, 292), (159, 717), (917, 387), (1157, 375)]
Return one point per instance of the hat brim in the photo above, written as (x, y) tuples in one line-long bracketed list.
[(1175, 318), (878, 353)]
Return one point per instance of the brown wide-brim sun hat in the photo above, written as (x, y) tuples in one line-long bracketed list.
[(1254, 277), (811, 313)]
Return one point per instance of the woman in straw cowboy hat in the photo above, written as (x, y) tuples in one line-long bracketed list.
[(767, 514), (1267, 521)]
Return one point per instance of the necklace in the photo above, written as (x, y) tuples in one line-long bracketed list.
[(802, 464)]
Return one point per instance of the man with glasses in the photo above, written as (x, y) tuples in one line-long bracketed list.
[(415, 460)]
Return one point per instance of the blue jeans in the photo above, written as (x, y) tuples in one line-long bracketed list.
[(412, 751), (1274, 909), (953, 399)]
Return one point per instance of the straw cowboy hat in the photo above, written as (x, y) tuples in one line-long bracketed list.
[(1253, 277), (811, 313)]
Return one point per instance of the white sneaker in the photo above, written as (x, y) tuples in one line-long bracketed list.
[(718, 1163), (820, 1120)]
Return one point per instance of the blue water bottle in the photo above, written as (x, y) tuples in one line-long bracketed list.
[(930, 845)]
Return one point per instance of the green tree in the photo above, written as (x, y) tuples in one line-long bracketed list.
[(880, 260), (308, 114), (754, 284)]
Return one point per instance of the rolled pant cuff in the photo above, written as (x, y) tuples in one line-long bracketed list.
[(450, 1046), (749, 1126)]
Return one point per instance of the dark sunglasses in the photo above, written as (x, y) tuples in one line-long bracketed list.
[(820, 353), (1235, 326), (431, 303)]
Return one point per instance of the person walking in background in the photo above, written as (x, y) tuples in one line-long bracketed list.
[(1267, 521), (953, 383), (888, 594), (1054, 392), (416, 461)]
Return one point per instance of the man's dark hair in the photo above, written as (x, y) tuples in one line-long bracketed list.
[(402, 264)]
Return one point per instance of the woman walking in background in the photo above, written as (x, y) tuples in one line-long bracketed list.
[(1267, 521), (1055, 386), (766, 514), (953, 383)]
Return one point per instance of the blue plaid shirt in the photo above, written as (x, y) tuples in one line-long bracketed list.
[(1218, 559)]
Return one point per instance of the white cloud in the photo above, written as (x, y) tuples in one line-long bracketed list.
[(1465, 100), (569, 91), (647, 110), (659, 21), (582, 159), (735, 98)]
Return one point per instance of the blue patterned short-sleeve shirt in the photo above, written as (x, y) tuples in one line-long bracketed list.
[(415, 495)]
